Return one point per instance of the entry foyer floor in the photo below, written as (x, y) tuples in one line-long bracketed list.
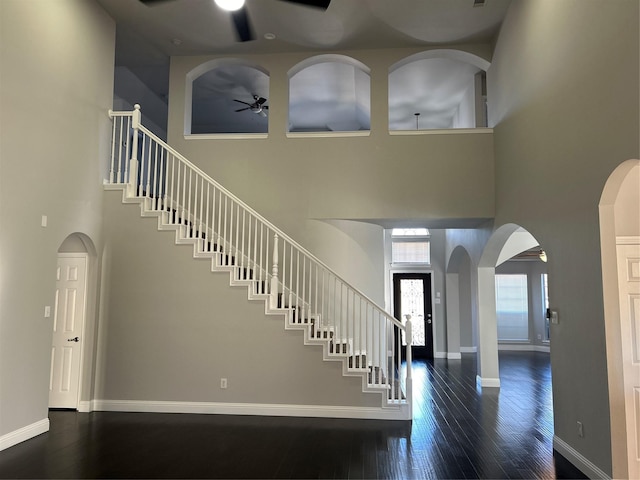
[(458, 431)]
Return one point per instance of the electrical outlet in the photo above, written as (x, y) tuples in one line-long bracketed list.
[(223, 383), (580, 430)]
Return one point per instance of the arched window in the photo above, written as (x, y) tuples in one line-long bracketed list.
[(329, 93), (438, 89), (230, 96)]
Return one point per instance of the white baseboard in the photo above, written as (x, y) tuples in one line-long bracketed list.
[(487, 382), (440, 355), (454, 356), (273, 410), (578, 460), (84, 407), (25, 433), (468, 349), (516, 347)]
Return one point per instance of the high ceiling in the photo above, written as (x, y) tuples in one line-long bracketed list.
[(148, 35)]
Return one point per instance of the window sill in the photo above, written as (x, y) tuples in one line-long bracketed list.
[(442, 131), (225, 136), (355, 133)]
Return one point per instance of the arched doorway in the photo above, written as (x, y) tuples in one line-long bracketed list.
[(70, 346), (506, 242), (620, 253), (461, 334)]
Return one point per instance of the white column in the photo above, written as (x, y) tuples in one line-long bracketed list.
[(488, 368), (453, 316)]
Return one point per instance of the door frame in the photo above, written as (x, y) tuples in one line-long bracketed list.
[(416, 271), (83, 323)]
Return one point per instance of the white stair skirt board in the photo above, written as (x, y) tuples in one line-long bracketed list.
[(25, 433), (576, 458), (272, 410), (487, 382)]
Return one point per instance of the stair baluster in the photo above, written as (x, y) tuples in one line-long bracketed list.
[(351, 327)]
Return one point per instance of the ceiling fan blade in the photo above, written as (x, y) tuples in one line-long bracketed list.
[(322, 4), (260, 100), (263, 113), (243, 109), (240, 101), (240, 18), (265, 107)]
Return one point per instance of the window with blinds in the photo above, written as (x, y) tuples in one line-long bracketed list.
[(410, 246), (512, 307)]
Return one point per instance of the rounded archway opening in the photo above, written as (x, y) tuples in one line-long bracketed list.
[(620, 255), (227, 96), (329, 93), (461, 328), (512, 299), (438, 89)]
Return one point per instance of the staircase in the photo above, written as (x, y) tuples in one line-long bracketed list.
[(273, 268)]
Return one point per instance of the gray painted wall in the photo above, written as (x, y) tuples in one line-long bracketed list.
[(563, 93), (55, 94), (292, 181), (174, 329)]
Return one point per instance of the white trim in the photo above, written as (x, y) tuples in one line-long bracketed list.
[(274, 410), (454, 356), (440, 355), (628, 240), (350, 133), (224, 136), (487, 382), (468, 349), (25, 433), (442, 131), (85, 407), (527, 347), (577, 459)]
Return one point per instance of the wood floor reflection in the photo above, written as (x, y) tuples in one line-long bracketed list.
[(458, 431)]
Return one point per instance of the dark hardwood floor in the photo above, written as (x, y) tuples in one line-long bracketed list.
[(458, 431)]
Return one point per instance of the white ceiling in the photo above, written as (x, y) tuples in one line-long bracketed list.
[(148, 35)]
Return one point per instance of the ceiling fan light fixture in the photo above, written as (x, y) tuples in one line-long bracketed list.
[(230, 5)]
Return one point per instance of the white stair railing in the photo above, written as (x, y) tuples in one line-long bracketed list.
[(290, 278)]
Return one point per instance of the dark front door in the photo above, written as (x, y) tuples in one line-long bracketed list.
[(412, 296)]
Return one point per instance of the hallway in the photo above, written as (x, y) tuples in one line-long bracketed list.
[(458, 431)]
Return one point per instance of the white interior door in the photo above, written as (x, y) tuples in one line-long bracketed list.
[(629, 287), (68, 324)]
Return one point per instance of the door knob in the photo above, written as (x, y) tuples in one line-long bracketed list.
[(76, 339)]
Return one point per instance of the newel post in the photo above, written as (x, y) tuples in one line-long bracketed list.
[(274, 275), (133, 161), (408, 334)]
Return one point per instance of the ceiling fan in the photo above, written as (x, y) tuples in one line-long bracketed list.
[(240, 16), (258, 106)]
